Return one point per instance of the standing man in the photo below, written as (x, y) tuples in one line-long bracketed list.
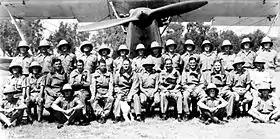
[(24, 58), (123, 51), (104, 52), (156, 56), (67, 58), (102, 92), (44, 58), (90, 59), (227, 56), (137, 62), (170, 80), (189, 47), (246, 53), (207, 56), (170, 53)]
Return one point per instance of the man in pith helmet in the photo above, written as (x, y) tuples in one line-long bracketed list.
[(246, 53), (67, 58), (207, 56), (104, 52), (44, 58), (156, 56), (170, 53), (189, 47), (137, 62), (123, 52), (227, 56), (89, 58)]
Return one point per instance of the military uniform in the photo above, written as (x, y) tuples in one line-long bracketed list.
[(68, 61), (247, 56), (137, 63), (185, 59), (228, 57), (45, 60), (176, 59), (206, 61), (107, 58)]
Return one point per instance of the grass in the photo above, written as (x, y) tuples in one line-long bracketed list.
[(153, 128)]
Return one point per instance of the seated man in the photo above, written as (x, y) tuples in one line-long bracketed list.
[(149, 85), (170, 80), (102, 92), (12, 104), (34, 86), (265, 107), (67, 108), (213, 107), (192, 84)]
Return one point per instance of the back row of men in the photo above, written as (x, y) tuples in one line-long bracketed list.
[(218, 83)]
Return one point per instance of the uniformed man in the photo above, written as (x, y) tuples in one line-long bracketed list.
[(241, 84), (227, 56), (137, 62), (265, 107), (156, 56), (67, 58), (34, 86), (44, 58), (246, 53), (189, 47), (192, 85), (24, 58), (102, 92), (207, 56), (104, 52), (170, 47), (123, 51), (149, 86), (54, 82), (80, 80), (126, 87), (170, 80), (67, 108), (212, 107), (89, 58)]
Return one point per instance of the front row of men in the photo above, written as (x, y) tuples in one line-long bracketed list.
[(217, 94)]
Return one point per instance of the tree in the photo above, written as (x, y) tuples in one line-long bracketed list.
[(256, 38), (232, 37), (174, 32), (9, 36)]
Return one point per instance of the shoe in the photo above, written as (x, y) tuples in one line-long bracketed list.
[(179, 118), (163, 117), (59, 126), (102, 120), (207, 122), (138, 118), (117, 119)]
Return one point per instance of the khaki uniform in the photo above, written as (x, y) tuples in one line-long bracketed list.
[(126, 87), (117, 64), (102, 89), (176, 59), (185, 59), (193, 84), (54, 83), (170, 89), (207, 60), (158, 61), (90, 62), (248, 57), (68, 62), (109, 63), (25, 62), (45, 61), (270, 58), (227, 60), (137, 63), (16, 83), (258, 78)]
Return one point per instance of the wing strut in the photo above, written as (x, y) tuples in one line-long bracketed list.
[(274, 20)]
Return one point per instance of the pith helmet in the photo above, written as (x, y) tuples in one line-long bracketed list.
[(104, 47), (148, 61), (61, 43), (35, 64), (23, 44), (170, 42), (207, 42), (246, 40), (140, 46), (14, 65), (189, 42), (155, 44), (259, 60), (123, 48), (212, 86), (86, 43), (66, 87), (266, 40), (265, 86), (226, 43), (238, 60), (44, 43)]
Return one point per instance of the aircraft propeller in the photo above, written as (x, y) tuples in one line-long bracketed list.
[(146, 15)]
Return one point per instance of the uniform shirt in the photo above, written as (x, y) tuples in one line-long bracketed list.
[(45, 61), (211, 103), (34, 83), (14, 83), (269, 56), (117, 63), (207, 60), (267, 106), (55, 81), (25, 61), (90, 62), (260, 77), (172, 79), (176, 59), (66, 105), (185, 59), (149, 80), (5, 104), (220, 80), (126, 83), (83, 78), (248, 57), (190, 77), (158, 61), (103, 82), (109, 62), (137, 64), (240, 79), (68, 62), (227, 60)]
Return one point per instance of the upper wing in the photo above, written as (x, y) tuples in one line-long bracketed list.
[(83, 10)]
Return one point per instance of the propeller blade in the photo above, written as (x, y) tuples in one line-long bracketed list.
[(106, 24), (176, 8)]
